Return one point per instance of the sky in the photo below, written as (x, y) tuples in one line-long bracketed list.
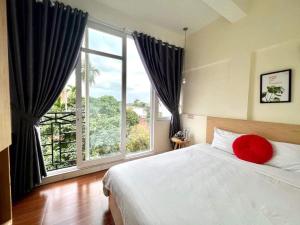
[(109, 80)]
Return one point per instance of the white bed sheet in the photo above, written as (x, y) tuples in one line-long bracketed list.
[(200, 185)]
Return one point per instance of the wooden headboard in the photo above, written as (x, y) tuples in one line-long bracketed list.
[(274, 131)]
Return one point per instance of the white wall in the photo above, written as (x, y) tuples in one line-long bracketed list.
[(281, 56), (107, 15), (224, 62)]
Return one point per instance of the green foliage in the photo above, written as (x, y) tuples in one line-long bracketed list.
[(138, 138), (104, 130), (63, 141), (132, 118), (67, 103), (272, 94), (93, 72), (139, 103), (107, 105)]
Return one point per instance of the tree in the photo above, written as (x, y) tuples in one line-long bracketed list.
[(106, 104), (138, 138), (66, 101), (104, 129), (132, 118), (104, 125), (93, 72), (139, 103)]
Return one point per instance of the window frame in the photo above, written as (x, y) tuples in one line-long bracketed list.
[(152, 114), (157, 117), (79, 134)]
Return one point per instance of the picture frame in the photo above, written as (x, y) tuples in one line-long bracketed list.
[(275, 87)]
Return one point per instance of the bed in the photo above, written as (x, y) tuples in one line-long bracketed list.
[(202, 185)]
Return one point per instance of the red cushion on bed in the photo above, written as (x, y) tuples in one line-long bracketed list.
[(252, 148)]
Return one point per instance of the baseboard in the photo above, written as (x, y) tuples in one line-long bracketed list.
[(7, 223)]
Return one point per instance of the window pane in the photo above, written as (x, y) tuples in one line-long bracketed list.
[(104, 77), (163, 112), (138, 102), (103, 42)]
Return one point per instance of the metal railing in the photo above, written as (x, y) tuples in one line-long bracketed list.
[(58, 139)]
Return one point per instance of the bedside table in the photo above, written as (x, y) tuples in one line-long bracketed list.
[(179, 143)]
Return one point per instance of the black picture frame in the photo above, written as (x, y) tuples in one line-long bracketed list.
[(287, 88)]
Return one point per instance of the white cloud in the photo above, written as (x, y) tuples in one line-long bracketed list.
[(110, 79)]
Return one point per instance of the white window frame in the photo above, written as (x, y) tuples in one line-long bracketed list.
[(122, 154), (157, 117)]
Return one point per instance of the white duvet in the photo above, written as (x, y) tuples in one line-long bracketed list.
[(200, 185)]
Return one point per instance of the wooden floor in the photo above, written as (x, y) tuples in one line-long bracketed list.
[(74, 201)]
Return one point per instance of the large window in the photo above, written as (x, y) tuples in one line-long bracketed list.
[(106, 112), (116, 95), (102, 77), (138, 102)]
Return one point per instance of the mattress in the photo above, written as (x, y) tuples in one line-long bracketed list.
[(200, 185)]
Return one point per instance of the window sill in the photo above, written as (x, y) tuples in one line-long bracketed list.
[(163, 119), (71, 172), (140, 154), (61, 171)]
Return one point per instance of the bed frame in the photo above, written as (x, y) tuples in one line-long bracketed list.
[(273, 131), (115, 211)]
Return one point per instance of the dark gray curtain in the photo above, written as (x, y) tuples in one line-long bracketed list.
[(163, 63), (44, 45)]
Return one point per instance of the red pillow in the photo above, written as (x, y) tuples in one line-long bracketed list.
[(252, 148)]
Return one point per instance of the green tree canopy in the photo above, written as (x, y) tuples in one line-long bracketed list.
[(139, 103), (132, 117), (107, 105)]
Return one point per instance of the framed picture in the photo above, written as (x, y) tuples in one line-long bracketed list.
[(275, 87)]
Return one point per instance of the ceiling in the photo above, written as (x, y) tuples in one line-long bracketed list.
[(176, 14), (170, 14)]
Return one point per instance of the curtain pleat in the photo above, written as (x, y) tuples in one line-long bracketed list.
[(44, 45), (163, 63)]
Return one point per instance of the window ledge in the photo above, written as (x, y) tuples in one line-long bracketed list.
[(71, 172), (61, 171), (163, 119), (139, 154)]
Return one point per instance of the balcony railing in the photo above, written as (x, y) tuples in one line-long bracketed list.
[(58, 139)]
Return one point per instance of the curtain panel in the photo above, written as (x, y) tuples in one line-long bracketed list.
[(163, 63), (44, 46)]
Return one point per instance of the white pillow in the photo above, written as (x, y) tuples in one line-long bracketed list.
[(223, 140), (285, 156)]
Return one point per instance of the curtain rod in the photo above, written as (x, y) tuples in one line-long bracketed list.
[(51, 1), (125, 29), (116, 28), (113, 27), (157, 40)]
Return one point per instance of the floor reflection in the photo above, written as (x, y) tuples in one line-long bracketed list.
[(74, 201)]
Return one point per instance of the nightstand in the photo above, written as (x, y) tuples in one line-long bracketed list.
[(178, 143)]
